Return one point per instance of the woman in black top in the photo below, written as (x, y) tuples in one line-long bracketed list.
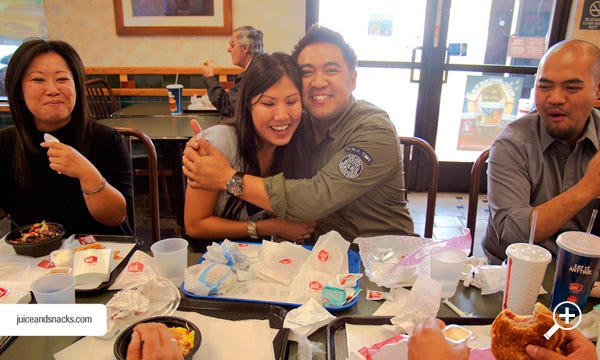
[(84, 181)]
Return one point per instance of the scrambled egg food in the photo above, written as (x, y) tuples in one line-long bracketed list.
[(184, 337)]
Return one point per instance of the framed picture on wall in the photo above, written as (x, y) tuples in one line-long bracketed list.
[(173, 17)]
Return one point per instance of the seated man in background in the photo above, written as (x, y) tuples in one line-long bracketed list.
[(548, 160), (359, 187), (245, 43)]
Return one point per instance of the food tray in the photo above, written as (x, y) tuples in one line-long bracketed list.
[(353, 267), (120, 266), (5, 341), (336, 330), (245, 311)]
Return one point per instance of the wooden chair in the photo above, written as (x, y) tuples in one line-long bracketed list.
[(128, 134), (475, 180), (100, 99), (410, 143), (102, 105)]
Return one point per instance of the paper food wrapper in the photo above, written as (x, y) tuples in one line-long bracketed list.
[(14, 296), (309, 285), (392, 348), (91, 266), (280, 262), (141, 268), (329, 255), (208, 278)]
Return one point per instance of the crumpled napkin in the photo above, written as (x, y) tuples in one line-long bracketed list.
[(423, 301), (306, 319), (590, 323)]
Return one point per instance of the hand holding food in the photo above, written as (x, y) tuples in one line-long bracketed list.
[(511, 333), (577, 347), (152, 341)]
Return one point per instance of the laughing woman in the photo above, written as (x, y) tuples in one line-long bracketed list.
[(84, 181), (267, 136)]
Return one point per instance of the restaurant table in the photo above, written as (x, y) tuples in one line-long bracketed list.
[(172, 131), (468, 299)]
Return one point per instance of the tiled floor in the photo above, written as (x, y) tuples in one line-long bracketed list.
[(450, 216)]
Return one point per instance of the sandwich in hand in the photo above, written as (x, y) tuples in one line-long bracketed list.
[(511, 333)]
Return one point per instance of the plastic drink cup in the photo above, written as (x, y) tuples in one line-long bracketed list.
[(577, 266), (175, 98), (446, 266), (526, 269), (171, 257), (54, 289)]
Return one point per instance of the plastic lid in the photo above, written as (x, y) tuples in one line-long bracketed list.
[(580, 243), (528, 252)]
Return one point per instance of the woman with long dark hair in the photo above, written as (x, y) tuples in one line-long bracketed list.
[(83, 180), (267, 136)]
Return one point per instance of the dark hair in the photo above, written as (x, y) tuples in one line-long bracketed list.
[(292, 159), (22, 116), (321, 34), (252, 38)]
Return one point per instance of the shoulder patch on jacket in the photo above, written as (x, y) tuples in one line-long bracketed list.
[(352, 164)]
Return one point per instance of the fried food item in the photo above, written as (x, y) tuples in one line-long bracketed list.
[(89, 246), (511, 333), (184, 337)]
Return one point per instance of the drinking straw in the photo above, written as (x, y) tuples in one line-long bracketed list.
[(532, 232), (592, 219), (176, 78)]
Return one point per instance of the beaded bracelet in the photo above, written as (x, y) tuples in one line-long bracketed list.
[(96, 190)]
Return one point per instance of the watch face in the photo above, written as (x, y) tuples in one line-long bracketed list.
[(235, 184)]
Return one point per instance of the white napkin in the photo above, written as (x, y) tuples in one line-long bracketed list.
[(307, 319)]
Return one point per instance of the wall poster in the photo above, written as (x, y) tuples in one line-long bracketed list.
[(490, 104)]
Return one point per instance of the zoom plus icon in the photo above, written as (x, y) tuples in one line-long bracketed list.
[(566, 312)]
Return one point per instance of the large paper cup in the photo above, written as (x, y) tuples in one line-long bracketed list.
[(577, 265), (175, 98), (526, 269), (171, 257), (446, 267), (54, 289)]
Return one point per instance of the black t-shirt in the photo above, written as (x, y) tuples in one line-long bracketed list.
[(58, 198)]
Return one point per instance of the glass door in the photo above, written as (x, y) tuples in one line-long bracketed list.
[(453, 72)]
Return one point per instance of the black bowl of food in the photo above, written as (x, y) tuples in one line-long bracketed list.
[(186, 334), (36, 240)]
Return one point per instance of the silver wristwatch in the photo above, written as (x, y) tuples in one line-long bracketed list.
[(235, 184)]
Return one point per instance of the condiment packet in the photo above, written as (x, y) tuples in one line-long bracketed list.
[(333, 296), (378, 295), (348, 280), (91, 266), (307, 318), (14, 296)]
